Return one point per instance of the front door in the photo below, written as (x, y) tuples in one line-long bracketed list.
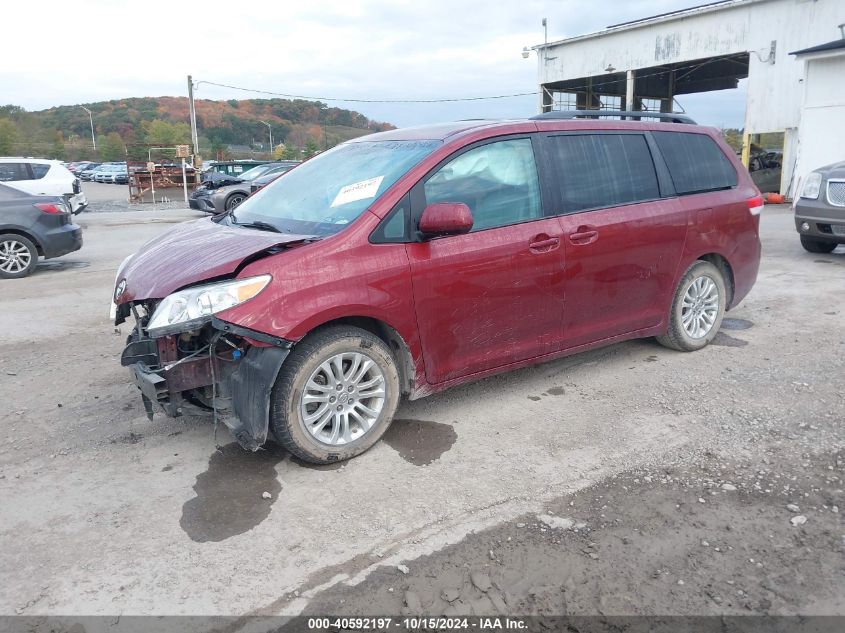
[(493, 296)]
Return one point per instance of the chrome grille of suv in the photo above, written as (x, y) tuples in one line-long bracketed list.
[(836, 192)]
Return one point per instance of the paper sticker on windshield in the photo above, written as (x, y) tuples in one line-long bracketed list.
[(358, 191)]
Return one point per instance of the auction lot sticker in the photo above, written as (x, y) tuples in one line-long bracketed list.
[(357, 191)]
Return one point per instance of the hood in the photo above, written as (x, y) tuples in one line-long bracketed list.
[(193, 252), (215, 179), (836, 170)]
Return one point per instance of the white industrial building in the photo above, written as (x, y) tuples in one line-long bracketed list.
[(791, 51)]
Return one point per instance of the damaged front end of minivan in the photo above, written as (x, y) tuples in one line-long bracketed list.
[(182, 354), (203, 364)]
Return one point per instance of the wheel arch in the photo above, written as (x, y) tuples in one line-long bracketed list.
[(391, 337), (27, 235), (721, 262)]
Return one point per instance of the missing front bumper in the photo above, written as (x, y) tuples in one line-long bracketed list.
[(241, 389)]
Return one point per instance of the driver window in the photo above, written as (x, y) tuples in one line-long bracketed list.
[(497, 181)]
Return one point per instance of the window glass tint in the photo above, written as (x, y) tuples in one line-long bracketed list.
[(394, 228), (695, 162), (39, 170), (13, 171), (326, 193), (498, 182), (604, 170)]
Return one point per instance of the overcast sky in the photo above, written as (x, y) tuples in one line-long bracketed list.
[(93, 50)]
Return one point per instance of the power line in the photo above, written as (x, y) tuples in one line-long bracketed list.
[(310, 98), (693, 67)]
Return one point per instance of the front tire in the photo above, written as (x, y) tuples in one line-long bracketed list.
[(335, 396), (697, 309), (234, 200), (812, 245), (18, 256)]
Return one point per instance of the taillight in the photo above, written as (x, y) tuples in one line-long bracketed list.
[(755, 205), (47, 207)]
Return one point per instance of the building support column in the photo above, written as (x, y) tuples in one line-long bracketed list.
[(546, 100), (667, 104), (630, 78), (746, 149)]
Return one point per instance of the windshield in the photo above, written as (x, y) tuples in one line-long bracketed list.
[(255, 172), (326, 193)]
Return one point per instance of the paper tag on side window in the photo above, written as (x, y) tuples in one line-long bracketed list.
[(357, 191)]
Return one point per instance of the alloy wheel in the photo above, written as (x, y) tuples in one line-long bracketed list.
[(14, 257), (343, 398), (700, 307)]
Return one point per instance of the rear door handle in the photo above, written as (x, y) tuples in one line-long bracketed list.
[(583, 237)]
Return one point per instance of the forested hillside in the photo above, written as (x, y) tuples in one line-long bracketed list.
[(231, 128)]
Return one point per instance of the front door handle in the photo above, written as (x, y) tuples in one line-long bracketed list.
[(543, 243), (584, 237)]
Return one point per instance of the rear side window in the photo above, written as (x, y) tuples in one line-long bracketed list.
[(695, 162), (603, 170), (13, 171), (39, 170)]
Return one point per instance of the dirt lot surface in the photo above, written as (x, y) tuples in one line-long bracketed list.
[(629, 480)]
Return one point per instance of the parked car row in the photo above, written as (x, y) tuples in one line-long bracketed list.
[(115, 173)]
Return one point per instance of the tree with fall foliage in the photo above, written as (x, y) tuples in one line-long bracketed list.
[(112, 148), (8, 136)]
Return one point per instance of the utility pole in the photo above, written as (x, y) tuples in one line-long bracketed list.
[(91, 119), (192, 109), (271, 136)]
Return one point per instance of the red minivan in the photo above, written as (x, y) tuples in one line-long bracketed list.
[(405, 262)]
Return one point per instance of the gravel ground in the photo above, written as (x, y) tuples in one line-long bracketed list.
[(104, 197), (628, 480)]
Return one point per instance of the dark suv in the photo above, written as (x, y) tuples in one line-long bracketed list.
[(403, 263)]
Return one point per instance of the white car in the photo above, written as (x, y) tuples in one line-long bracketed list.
[(41, 177)]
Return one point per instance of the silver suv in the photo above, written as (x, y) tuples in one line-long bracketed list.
[(820, 210)]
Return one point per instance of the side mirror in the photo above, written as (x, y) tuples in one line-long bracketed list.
[(446, 218)]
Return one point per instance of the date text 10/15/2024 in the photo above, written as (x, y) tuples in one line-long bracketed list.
[(416, 624)]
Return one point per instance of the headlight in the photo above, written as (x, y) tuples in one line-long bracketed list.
[(190, 308), (812, 186)]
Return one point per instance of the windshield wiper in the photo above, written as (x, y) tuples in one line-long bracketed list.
[(258, 224)]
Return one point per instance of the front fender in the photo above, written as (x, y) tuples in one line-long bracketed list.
[(252, 388)]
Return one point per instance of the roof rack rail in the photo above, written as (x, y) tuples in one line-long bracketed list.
[(671, 117)]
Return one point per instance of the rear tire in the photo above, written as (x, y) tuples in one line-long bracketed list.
[(813, 245), (697, 309), (319, 411), (18, 256)]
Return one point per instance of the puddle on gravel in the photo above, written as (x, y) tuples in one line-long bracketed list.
[(724, 340), (737, 324), (556, 391), (534, 398), (420, 442), (229, 494)]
